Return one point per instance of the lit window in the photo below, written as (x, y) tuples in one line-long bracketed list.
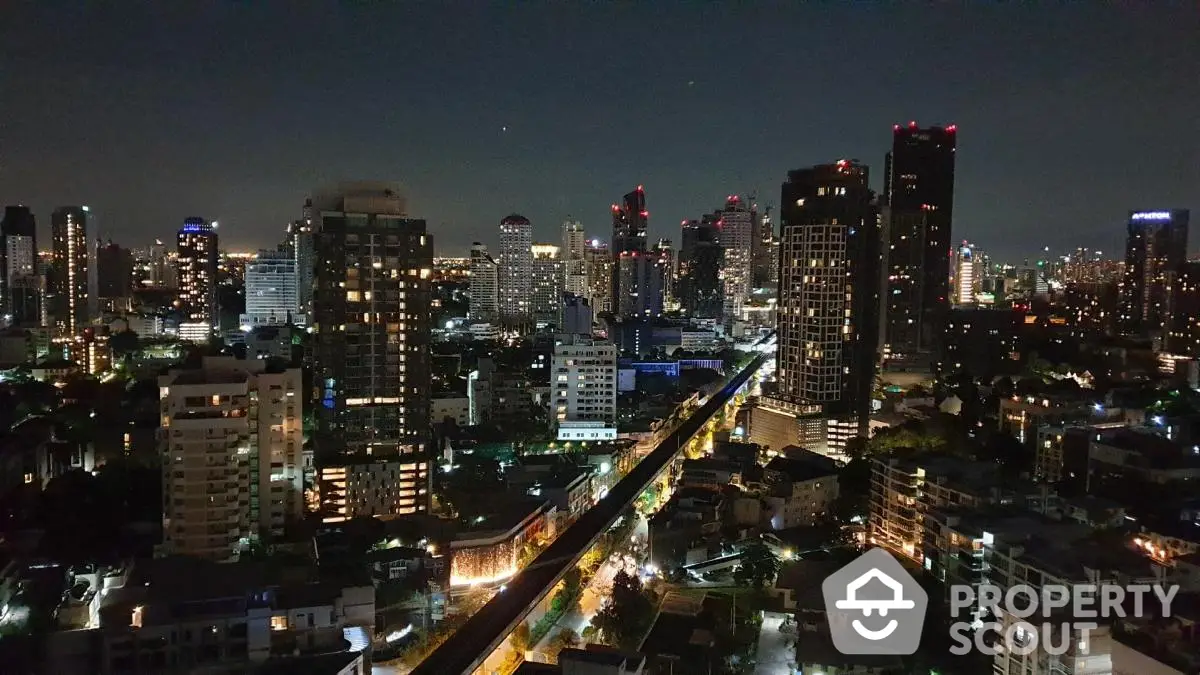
[(279, 623), (352, 296)]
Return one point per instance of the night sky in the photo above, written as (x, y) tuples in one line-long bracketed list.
[(152, 112)]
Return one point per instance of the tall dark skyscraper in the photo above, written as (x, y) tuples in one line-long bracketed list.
[(196, 266), (918, 208), (114, 276), (700, 257), (1155, 248), (829, 292), (21, 288), (67, 282), (1183, 337), (630, 223), (371, 331)]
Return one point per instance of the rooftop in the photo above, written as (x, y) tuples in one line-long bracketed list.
[(802, 465)]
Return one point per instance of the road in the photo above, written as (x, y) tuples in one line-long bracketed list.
[(487, 628), (776, 649), (597, 591)]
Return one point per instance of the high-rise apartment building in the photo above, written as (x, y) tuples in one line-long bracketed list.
[(114, 277), (766, 248), (641, 276), (231, 445), (371, 330), (1155, 247), (300, 243), (516, 269), (701, 256), (484, 286), (67, 281), (735, 228), (598, 262), (584, 386), (968, 274), (630, 223), (21, 287), (272, 291), (574, 247), (196, 265), (1183, 337), (829, 293), (547, 284), (918, 208), (665, 250)]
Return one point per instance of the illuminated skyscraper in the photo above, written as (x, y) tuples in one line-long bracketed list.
[(300, 243), (666, 261), (700, 259), (630, 223), (735, 232), (516, 269), (918, 199), (484, 286), (1155, 248), (641, 278), (371, 330), (829, 293), (968, 274), (598, 262), (196, 265), (21, 287), (547, 291), (272, 292), (766, 249), (574, 245), (67, 287)]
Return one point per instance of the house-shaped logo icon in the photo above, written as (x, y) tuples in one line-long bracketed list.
[(874, 606)]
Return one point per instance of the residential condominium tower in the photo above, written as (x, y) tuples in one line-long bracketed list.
[(371, 330)]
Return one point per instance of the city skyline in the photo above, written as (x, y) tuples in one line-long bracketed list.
[(230, 142)]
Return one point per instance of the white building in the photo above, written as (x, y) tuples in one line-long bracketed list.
[(574, 246), (516, 269), (484, 286), (968, 274), (272, 291), (584, 390), (547, 283), (231, 444)]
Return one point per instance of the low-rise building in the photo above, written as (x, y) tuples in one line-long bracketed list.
[(184, 614), (457, 408), (803, 488)]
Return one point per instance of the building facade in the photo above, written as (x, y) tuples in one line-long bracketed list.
[(516, 269), (547, 291), (196, 265), (484, 286), (231, 444), (735, 226), (371, 331), (574, 246), (1155, 247), (829, 290), (21, 286), (272, 291), (918, 200), (584, 386), (67, 287), (701, 258), (598, 261), (630, 221)]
